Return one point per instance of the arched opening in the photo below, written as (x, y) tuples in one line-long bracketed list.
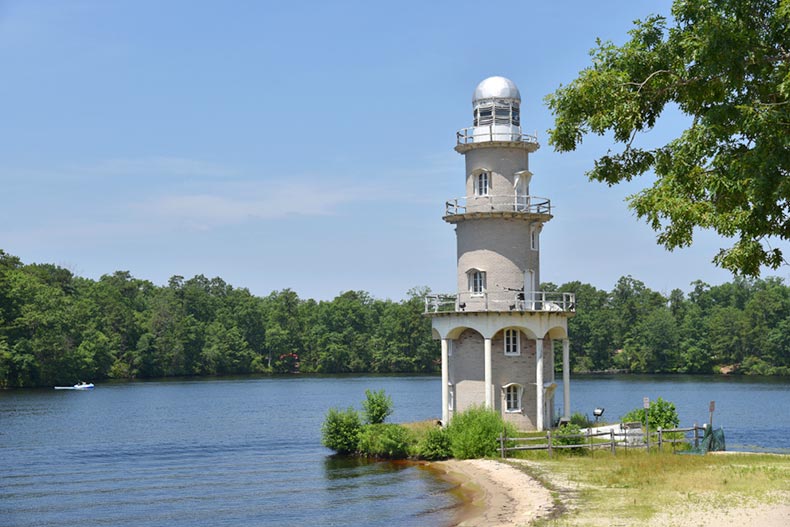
[(512, 394)]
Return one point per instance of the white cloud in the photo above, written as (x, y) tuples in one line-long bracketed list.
[(234, 204)]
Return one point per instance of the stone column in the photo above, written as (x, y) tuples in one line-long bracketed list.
[(488, 383), (566, 379), (539, 382), (445, 383)]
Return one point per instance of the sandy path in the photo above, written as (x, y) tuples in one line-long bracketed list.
[(503, 496)]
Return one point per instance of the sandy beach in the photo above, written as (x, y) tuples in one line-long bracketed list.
[(503, 496)]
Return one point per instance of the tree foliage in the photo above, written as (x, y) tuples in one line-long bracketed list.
[(741, 326), (726, 65), (57, 328)]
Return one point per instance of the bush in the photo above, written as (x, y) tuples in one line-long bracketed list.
[(662, 413), (389, 441), (434, 445), (581, 420), (377, 406), (340, 430), (567, 435), (474, 433)]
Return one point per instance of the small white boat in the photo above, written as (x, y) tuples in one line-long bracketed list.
[(79, 386)]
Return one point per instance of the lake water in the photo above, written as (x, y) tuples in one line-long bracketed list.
[(247, 451)]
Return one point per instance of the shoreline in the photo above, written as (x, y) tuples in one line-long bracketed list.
[(494, 494)]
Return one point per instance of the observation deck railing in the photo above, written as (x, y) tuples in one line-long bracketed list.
[(506, 203), (544, 301), (492, 132)]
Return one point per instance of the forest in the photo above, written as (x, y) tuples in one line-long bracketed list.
[(58, 328)]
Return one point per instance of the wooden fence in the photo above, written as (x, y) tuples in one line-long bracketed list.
[(629, 436)]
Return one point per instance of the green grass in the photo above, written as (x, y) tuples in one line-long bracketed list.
[(629, 489)]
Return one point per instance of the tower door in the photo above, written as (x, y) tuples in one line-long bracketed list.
[(521, 190), (529, 288)]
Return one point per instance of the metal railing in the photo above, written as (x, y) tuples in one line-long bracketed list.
[(545, 301), (499, 203), (479, 134)]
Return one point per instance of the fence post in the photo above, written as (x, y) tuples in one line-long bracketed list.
[(659, 438), (611, 436), (548, 441), (696, 436), (502, 445)]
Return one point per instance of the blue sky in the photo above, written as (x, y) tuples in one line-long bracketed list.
[(302, 145)]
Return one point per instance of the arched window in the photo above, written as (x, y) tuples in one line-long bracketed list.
[(513, 394), (482, 184), (512, 342), (477, 281)]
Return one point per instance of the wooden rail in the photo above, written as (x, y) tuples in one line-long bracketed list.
[(626, 438)]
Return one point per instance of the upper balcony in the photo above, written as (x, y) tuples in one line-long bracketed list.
[(494, 135), (528, 207), (498, 301)]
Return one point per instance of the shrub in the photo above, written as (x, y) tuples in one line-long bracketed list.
[(340, 430), (389, 441), (567, 435), (580, 420), (434, 445), (377, 406), (662, 413), (474, 432)]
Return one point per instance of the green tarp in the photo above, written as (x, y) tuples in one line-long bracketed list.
[(712, 441)]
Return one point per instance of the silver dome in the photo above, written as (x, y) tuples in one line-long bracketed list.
[(496, 88)]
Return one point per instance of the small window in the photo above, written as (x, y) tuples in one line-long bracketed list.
[(482, 182), (502, 115), (512, 342), (485, 116), (516, 116), (513, 398), (477, 282)]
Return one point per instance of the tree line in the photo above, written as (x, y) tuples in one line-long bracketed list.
[(741, 326), (58, 328)]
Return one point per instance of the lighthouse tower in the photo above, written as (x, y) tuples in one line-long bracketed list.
[(498, 332)]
